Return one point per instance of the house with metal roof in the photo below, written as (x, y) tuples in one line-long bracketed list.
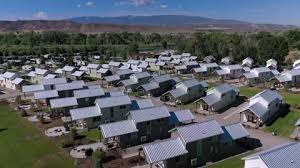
[(271, 64), (103, 72), (112, 80), (114, 66), (286, 155), (37, 75), (227, 60), (167, 153), (11, 80), (157, 86), (78, 75), (32, 88), (153, 123), (67, 71), (63, 105), (182, 117), (44, 97), (92, 70), (135, 80), (121, 133), (209, 59), (230, 71), (87, 97), (191, 64), (124, 74), (66, 89), (289, 78), (114, 108), (218, 98), (247, 62), (206, 69), (185, 92), (261, 108), (208, 141), (181, 69), (257, 75), (141, 104), (50, 83)]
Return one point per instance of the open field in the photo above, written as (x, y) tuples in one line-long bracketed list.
[(23, 145), (233, 162)]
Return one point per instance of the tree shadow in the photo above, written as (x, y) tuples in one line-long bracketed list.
[(3, 129)]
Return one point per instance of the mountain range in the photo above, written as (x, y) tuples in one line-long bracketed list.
[(157, 23)]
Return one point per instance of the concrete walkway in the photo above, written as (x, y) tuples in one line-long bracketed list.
[(79, 151), (56, 131)]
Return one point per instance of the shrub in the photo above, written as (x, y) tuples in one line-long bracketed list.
[(73, 133), (89, 152), (67, 142)]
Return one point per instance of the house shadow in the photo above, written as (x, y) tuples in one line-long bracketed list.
[(3, 129), (239, 100), (283, 111)]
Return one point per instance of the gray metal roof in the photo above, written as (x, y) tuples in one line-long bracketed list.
[(129, 82), (224, 88), (283, 156), (45, 94), (102, 70), (118, 128), (112, 78), (116, 93), (78, 73), (141, 75), (93, 66), (184, 115), (63, 102), (32, 88), (68, 68), (54, 81), (268, 95), (160, 151), (149, 114), (162, 78), (236, 131), (113, 101), (150, 86), (180, 67), (85, 93), (124, 72), (144, 103), (178, 92), (199, 131), (86, 112), (211, 99), (69, 86), (258, 109)]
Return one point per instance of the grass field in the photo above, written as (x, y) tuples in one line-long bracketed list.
[(234, 162), (23, 145), (93, 135)]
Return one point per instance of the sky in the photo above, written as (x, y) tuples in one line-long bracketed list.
[(256, 11)]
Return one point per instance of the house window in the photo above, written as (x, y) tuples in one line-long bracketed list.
[(194, 162), (143, 138), (95, 119), (122, 107)]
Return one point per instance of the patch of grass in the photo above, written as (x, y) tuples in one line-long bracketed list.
[(249, 91), (233, 162), (23, 145), (284, 126), (93, 135)]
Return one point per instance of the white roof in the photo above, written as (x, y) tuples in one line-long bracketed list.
[(78, 73), (8, 75), (41, 71), (68, 68), (53, 81), (58, 71), (63, 102), (160, 151), (17, 81), (86, 112), (69, 86), (83, 68), (50, 76), (118, 128), (93, 66)]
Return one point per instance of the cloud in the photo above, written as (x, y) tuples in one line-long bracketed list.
[(41, 15), (163, 6), (136, 3), (90, 4), (78, 5)]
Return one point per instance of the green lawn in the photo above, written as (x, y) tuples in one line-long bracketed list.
[(93, 135), (234, 162), (283, 126), (23, 145)]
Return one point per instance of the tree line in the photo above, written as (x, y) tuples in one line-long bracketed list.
[(260, 46)]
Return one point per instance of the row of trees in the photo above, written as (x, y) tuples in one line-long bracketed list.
[(260, 46)]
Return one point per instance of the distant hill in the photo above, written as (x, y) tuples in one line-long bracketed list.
[(159, 24)]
